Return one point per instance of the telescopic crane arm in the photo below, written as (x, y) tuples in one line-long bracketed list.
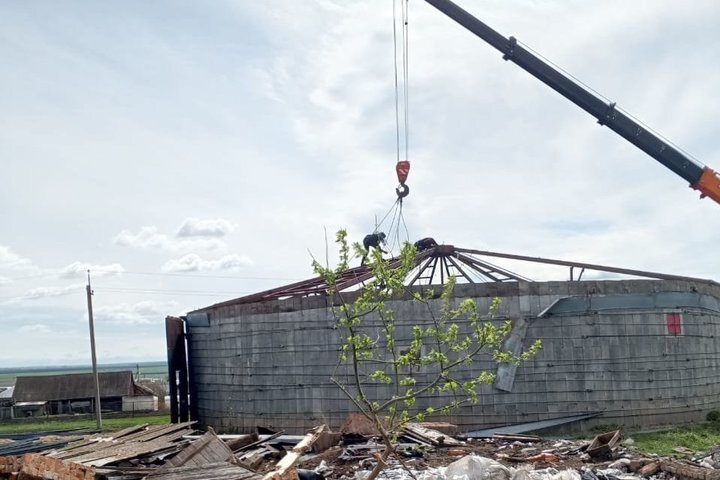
[(703, 179)]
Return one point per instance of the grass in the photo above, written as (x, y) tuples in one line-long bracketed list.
[(109, 424), (699, 438)]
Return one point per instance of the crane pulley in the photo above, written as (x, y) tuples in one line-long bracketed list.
[(402, 169)]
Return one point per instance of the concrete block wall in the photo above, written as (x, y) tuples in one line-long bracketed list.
[(270, 364)]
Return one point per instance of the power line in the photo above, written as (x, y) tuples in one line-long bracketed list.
[(201, 275), (160, 291), (144, 291), (161, 274)]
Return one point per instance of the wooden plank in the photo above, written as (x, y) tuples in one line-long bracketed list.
[(91, 442), (254, 458), (216, 471), (236, 444), (75, 450), (206, 450), (446, 428), (103, 442), (284, 467), (128, 431), (104, 452), (125, 451), (430, 436), (517, 437), (417, 439), (163, 430), (604, 443), (250, 446)]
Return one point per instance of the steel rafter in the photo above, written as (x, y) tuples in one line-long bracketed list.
[(587, 266), (443, 258)]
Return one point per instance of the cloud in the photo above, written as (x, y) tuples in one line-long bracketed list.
[(79, 268), (194, 263), (145, 312), (195, 227), (10, 259), (150, 237), (34, 328), (45, 292), (5, 281)]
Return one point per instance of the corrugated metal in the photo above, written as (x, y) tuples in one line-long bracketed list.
[(649, 301)]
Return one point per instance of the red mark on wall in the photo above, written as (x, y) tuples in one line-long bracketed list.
[(674, 323)]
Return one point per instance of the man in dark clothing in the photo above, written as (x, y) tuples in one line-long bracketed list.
[(425, 244), (373, 240)]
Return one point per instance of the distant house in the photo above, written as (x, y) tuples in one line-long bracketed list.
[(75, 393), (6, 402)]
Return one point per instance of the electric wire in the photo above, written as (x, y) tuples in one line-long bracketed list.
[(161, 274), (200, 275), (143, 291), (155, 291)]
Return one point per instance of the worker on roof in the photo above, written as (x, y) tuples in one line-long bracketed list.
[(373, 240), (425, 244)]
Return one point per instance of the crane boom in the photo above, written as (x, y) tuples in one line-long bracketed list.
[(701, 178)]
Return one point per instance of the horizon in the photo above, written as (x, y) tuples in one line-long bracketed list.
[(14, 368)]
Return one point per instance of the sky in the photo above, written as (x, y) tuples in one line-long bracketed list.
[(188, 153)]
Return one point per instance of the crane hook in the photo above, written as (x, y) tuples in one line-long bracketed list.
[(402, 191)]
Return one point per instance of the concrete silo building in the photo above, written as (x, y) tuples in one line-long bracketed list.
[(638, 350)]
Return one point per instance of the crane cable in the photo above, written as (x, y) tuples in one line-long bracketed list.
[(402, 130), (394, 228), (402, 168)]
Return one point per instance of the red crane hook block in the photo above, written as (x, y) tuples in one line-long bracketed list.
[(402, 169)]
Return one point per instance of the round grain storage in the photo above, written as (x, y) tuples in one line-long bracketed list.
[(636, 353)]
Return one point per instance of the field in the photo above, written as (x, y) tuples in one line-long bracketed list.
[(150, 370)]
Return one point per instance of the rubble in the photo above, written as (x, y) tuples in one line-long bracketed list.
[(427, 436), (283, 469), (174, 452), (603, 445)]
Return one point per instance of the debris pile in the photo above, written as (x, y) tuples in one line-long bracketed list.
[(424, 452)]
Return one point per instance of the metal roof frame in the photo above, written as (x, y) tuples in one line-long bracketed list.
[(435, 265)]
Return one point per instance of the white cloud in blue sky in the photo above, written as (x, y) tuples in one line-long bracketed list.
[(198, 150)]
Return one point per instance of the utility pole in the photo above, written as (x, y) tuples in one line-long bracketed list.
[(98, 416)]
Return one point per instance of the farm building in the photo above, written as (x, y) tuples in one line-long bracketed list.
[(639, 349), (75, 393), (6, 401)]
